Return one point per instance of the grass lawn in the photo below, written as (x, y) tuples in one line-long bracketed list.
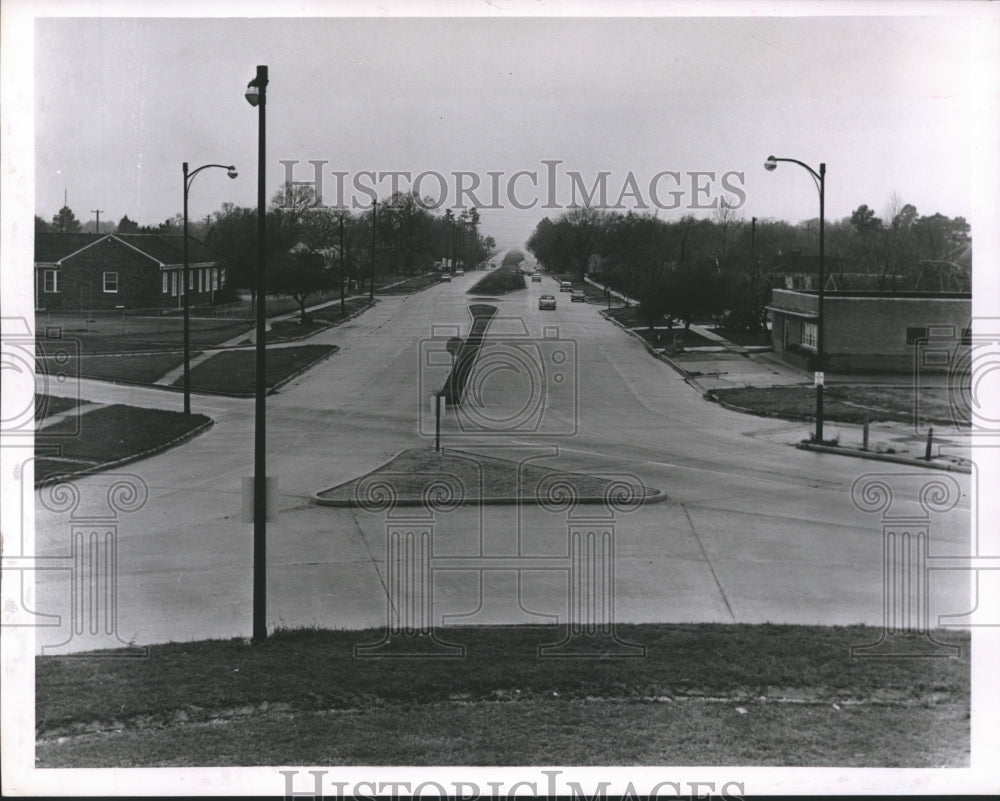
[(131, 368), (843, 404), (111, 335), (108, 434), (48, 405), (233, 372), (701, 695)]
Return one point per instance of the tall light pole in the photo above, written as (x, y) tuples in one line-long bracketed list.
[(188, 178), (820, 177), (256, 95)]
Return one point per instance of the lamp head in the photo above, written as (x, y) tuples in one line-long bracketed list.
[(231, 172), (771, 164), (252, 93)]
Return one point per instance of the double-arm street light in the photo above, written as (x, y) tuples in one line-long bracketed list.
[(256, 94), (188, 178), (820, 177)]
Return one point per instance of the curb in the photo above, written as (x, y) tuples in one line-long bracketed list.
[(134, 457), (884, 457)]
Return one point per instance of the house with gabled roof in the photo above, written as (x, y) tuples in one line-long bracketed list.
[(123, 271)]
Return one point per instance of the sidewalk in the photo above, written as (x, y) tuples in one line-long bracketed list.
[(728, 366), (236, 343)]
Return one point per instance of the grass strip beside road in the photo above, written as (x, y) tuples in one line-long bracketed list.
[(844, 404), (233, 372), (705, 694), (108, 435)]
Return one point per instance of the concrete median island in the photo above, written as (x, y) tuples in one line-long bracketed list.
[(418, 476)]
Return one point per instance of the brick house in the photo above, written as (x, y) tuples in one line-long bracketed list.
[(123, 271), (868, 331)]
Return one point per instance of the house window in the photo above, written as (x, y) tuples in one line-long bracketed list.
[(50, 280), (174, 283), (110, 282), (913, 335), (786, 333), (190, 279), (215, 279), (809, 335), (166, 283)]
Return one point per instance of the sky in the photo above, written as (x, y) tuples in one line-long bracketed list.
[(889, 104)]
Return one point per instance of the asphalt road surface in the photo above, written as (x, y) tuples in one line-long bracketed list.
[(753, 530)]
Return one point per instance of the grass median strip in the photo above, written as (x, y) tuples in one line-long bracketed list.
[(703, 694), (419, 476), (233, 372)]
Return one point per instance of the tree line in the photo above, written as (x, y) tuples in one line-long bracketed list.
[(725, 266), (312, 247)]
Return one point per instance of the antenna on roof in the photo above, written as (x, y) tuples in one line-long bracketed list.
[(98, 213)]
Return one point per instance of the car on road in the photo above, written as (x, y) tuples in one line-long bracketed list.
[(536, 278), (445, 276), (459, 272), (578, 296), (565, 286), (547, 302)]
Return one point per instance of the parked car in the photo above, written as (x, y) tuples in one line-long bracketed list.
[(578, 296), (566, 286), (446, 276), (459, 271), (536, 278), (547, 302)]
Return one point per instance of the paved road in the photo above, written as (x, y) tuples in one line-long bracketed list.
[(753, 530)]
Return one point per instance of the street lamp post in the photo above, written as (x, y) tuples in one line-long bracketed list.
[(820, 177), (256, 94), (188, 179)]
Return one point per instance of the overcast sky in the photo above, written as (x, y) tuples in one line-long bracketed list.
[(887, 103)]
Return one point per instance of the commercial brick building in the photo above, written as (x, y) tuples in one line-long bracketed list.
[(123, 271), (868, 331)]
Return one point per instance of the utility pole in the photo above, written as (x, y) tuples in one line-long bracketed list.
[(98, 213), (343, 307), (371, 280)]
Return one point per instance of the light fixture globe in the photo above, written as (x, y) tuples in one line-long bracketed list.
[(252, 93), (231, 172), (771, 164)]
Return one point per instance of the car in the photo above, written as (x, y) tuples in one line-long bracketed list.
[(459, 272), (578, 296), (445, 276), (536, 278), (566, 286), (547, 302)]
